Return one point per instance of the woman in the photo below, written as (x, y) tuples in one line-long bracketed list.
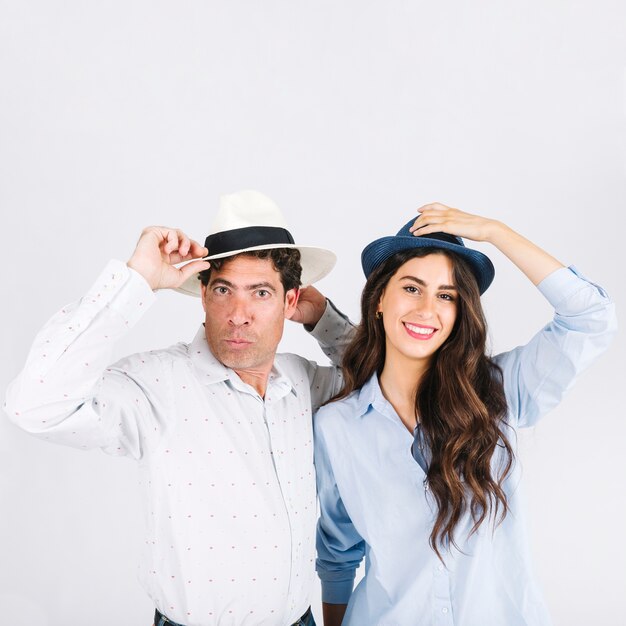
[(415, 458)]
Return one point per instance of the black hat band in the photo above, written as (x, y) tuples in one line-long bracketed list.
[(248, 237)]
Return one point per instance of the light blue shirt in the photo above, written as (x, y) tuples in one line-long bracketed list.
[(374, 501)]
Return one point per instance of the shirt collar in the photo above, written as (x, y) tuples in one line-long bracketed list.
[(212, 371), (368, 395), (280, 381), (371, 396)]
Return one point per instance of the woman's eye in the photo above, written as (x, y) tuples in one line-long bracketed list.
[(447, 296), (411, 289)]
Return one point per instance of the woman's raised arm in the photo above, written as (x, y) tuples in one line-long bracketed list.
[(531, 259)]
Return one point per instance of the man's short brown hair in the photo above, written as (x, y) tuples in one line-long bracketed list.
[(286, 261)]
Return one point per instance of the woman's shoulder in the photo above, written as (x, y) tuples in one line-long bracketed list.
[(344, 410), (343, 406)]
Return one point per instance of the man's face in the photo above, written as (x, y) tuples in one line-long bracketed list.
[(246, 307)]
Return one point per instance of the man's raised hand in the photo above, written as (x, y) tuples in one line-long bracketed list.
[(160, 248), (310, 308)]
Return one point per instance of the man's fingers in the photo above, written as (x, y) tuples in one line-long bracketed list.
[(158, 249), (174, 241), (177, 242), (196, 251), (161, 245), (170, 242), (191, 268), (184, 243)]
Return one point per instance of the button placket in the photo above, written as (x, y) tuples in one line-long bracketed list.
[(442, 598), (277, 448)]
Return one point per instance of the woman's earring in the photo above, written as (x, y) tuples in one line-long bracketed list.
[(379, 315)]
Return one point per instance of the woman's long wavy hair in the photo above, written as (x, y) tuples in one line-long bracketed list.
[(460, 402)]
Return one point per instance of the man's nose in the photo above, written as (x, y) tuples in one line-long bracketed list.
[(239, 313)]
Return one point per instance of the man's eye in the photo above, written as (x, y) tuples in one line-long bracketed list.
[(221, 291), (263, 293)]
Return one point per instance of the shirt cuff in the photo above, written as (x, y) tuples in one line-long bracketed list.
[(563, 283), (337, 586)]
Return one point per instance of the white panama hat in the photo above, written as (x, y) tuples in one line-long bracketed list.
[(249, 220)]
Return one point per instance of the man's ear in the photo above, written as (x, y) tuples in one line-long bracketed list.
[(202, 295), (291, 302)]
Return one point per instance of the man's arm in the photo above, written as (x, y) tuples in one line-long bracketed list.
[(333, 332), (331, 328), (66, 393)]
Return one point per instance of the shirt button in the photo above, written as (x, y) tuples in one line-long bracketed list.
[(445, 609), (440, 567)]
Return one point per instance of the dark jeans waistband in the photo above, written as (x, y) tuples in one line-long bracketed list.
[(161, 620)]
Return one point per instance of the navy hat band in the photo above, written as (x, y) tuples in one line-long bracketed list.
[(248, 237), (444, 237)]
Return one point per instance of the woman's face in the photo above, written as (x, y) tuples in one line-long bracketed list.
[(419, 308)]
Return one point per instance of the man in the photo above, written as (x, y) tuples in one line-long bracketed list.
[(221, 427)]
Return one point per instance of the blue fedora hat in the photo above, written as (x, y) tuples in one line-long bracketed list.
[(377, 252)]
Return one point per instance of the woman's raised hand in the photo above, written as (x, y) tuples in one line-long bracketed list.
[(531, 259), (439, 218)]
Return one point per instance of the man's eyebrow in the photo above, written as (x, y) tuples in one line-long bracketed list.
[(253, 287), (263, 285), (221, 281), (419, 281)]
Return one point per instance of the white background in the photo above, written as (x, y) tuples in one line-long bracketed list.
[(115, 115)]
